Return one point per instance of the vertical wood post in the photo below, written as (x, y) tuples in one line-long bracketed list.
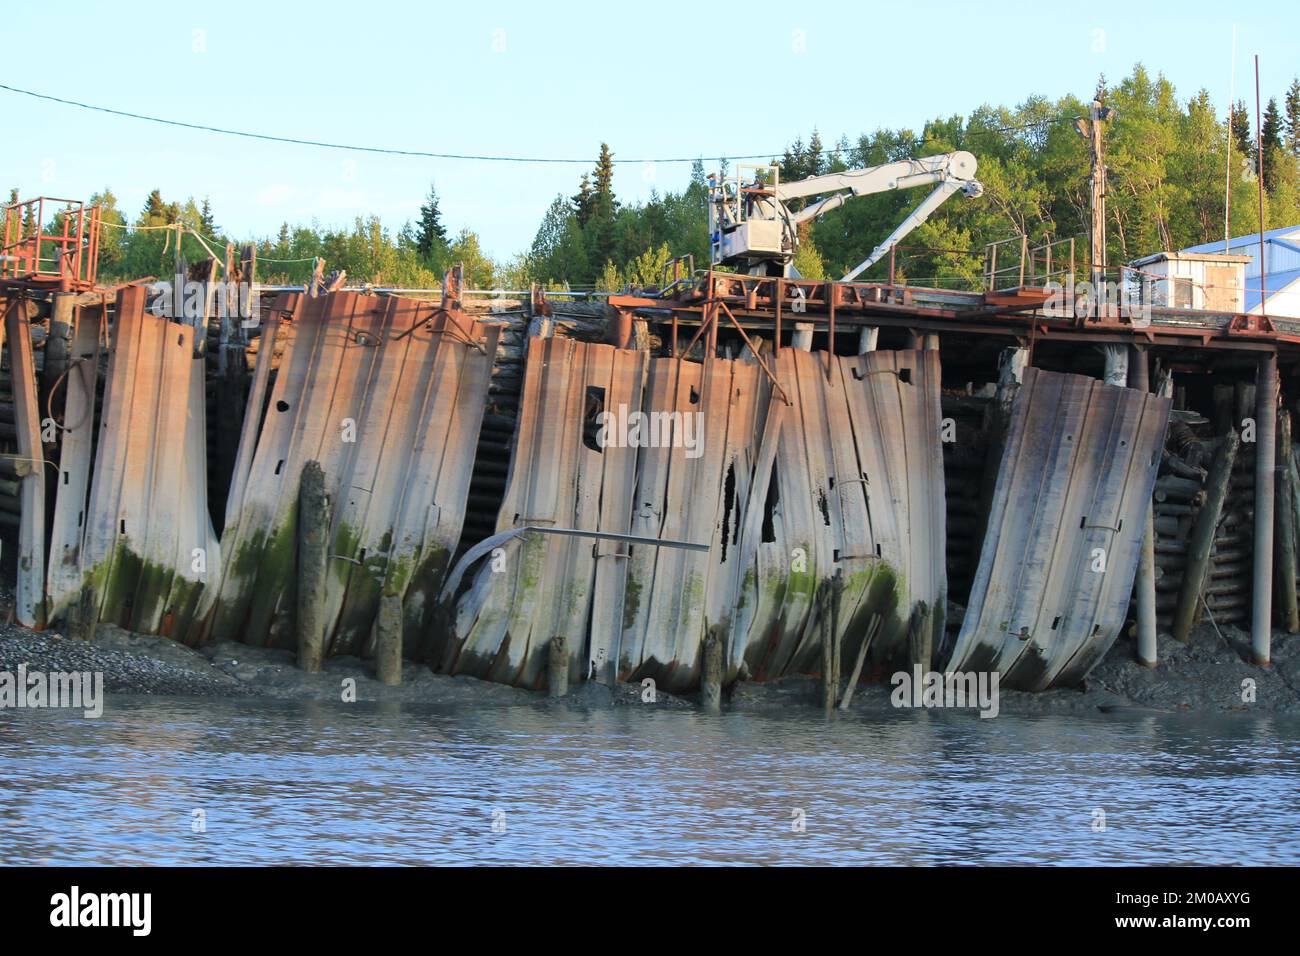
[(388, 640), (313, 561), (557, 667), (1116, 364), (1202, 539), (711, 673), (868, 339), (802, 337), (59, 340), (829, 691)]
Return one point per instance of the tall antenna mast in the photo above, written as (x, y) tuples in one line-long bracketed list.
[(1259, 178), (1227, 163)]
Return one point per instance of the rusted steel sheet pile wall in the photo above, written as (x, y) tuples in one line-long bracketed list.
[(29, 597), (558, 478), (697, 494), (1064, 532), (76, 450), (147, 546), (387, 394), (858, 488)]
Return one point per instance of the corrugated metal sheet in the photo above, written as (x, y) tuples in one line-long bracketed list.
[(1076, 477), (559, 477), (699, 495), (858, 488), (29, 599), (387, 394), (859, 491), (149, 548), (63, 582)]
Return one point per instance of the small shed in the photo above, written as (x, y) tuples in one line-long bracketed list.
[(1214, 281)]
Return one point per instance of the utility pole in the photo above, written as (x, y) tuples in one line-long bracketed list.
[(1091, 130)]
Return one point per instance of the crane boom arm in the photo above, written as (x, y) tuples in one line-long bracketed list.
[(918, 215), (903, 174), (752, 223)]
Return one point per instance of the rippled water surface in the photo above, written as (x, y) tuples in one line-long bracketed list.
[(358, 783)]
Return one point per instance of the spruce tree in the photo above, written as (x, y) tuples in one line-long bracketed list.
[(207, 225), (1271, 132), (603, 207), (582, 202), (1293, 117), (1242, 137), (155, 210), (430, 233)]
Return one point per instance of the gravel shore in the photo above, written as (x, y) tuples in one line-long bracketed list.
[(1211, 673)]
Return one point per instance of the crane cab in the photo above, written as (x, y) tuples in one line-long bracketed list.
[(747, 222)]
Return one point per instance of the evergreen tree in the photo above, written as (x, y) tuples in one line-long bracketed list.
[(1242, 136), (600, 224), (814, 162), (583, 201), (430, 235), (1293, 117), (207, 225), (154, 212), (604, 175), (1271, 133), (698, 177)]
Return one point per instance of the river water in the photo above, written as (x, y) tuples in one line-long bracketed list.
[(189, 781)]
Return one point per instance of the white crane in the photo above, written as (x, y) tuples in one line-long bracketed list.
[(751, 226)]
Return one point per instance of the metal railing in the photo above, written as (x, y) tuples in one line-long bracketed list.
[(1014, 264), (69, 250)]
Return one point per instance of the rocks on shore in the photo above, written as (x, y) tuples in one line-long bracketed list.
[(1208, 674)]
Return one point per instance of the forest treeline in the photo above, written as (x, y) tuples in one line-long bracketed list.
[(1166, 156)]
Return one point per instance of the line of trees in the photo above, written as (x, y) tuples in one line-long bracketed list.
[(1166, 158)]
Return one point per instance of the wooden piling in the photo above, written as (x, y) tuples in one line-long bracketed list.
[(1261, 619), (803, 336), (313, 563), (557, 667), (828, 601), (1284, 532), (388, 640), (1202, 539), (58, 341), (856, 675), (711, 674)]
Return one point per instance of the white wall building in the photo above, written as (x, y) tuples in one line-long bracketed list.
[(1282, 269), (1194, 280)]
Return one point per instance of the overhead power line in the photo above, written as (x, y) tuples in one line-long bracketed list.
[(469, 156)]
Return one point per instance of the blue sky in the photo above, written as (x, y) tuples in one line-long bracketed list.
[(544, 79)]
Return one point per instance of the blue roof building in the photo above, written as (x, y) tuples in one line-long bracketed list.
[(1281, 272)]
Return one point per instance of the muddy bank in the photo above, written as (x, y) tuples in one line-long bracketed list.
[(1204, 675)]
